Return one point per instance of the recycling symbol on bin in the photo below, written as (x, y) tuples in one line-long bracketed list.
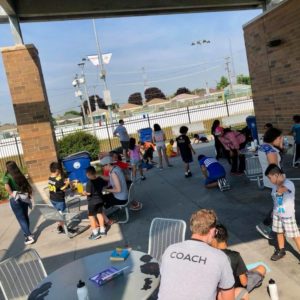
[(76, 165)]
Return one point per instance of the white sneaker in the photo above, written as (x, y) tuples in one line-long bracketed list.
[(29, 240)]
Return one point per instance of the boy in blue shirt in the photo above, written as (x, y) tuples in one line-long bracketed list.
[(212, 170), (284, 221)]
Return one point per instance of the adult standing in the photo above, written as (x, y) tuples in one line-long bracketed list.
[(122, 133), (20, 193), (193, 269), (269, 153), (159, 138)]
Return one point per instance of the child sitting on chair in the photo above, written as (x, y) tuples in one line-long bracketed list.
[(212, 170)]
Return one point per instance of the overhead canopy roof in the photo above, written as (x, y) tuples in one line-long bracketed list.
[(50, 10)]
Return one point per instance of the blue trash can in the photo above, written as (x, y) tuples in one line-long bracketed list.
[(145, 134), (76, 165), (251, 124)]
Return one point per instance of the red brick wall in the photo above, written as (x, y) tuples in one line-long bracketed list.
[(27, 88), (275, 71)]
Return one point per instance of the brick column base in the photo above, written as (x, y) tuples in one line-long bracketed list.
[(27, 89)]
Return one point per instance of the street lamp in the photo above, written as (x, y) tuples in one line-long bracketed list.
[(78, 93)]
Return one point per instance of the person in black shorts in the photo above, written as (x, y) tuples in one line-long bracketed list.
[(93, 192), (185, 149)]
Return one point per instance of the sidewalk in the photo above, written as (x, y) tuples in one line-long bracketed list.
[(168, 194)]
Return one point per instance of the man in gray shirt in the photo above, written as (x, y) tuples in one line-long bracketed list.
[(122, 133), (193, 269)]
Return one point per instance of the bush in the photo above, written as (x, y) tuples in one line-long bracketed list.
[(3, 193), (77, 142)]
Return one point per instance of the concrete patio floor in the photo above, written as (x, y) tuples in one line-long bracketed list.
[(168, 194)]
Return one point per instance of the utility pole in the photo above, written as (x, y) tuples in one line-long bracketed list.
[(227, 59), (232, 62), (102, 71), (83, 81)]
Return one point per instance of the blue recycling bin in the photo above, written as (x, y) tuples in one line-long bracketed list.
[(76, 165), (145, 134), (251, 124)]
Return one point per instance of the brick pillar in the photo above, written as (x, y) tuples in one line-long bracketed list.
[(275, 71), (28, 93)]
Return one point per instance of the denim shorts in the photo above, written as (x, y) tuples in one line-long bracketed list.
[(59, 205)]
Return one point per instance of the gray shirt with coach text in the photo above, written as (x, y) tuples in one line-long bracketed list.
[(194, 270)]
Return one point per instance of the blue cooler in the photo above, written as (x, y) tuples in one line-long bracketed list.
[(145, 134), (251, 124), (76, 165)]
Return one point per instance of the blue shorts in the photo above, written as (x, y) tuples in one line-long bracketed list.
[(59, 205), (213, 179)]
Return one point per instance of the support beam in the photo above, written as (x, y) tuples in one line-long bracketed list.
[(16, 30)]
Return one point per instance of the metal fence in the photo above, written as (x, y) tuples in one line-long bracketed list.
[(198, 118)]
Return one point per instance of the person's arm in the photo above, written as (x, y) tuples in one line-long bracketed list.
[(272, 158), (115, 133), (226, 294), (234, 140), (8, 189), (164, 137), (204, 171), (243, 279), (117, 184), (192, 149), (106, 178)]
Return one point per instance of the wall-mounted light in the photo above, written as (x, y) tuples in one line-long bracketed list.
[(274, 43)]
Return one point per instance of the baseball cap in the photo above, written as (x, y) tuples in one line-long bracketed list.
[(106, 160)]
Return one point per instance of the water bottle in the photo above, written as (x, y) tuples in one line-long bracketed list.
[(285, 143), (82, 291), (273, 290)]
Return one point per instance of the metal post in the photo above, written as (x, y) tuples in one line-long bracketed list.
[(108, 135), (226, 104), (148, 120), (19, 155), (16, 30), (102, 70), (188, 113)]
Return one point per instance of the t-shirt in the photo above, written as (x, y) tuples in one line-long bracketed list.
[(122, 133), (285, 206), (135, 154), (263, 151), (237, 264), (158, 137), (169, 150), (296, 132), (193, 270), (214, 168), (123, 194), (183, 143), (94, 187), (7, 179), (55, 185)]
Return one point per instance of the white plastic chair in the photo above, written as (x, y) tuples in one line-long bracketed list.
[(253, 171), (163, 233), (20, 274)]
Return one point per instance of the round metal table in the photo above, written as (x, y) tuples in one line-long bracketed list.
[(138, 282)]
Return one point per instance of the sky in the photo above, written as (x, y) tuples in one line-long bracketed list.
[(159, 44)]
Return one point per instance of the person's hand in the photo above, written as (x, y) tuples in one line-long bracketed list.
[(282, 189)]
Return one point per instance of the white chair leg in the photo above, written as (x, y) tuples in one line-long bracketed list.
[(126, 216)]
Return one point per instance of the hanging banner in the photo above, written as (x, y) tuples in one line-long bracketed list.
[(94, 59)]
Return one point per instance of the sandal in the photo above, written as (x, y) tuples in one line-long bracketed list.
[(136, 207)]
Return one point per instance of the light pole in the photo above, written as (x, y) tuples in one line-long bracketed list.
[(78, 93), (107, 98), (199, 43)]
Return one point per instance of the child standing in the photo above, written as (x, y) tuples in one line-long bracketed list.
[(284, 221), (93, 192), (170, 151), (135, 159), (185, 149), (57, 186)]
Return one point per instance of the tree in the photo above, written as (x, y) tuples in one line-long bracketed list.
[(182, 90), (223, 83), (135, 98), (153, 92), (72, 112), (199, 91), (242, 79), (95, 101)]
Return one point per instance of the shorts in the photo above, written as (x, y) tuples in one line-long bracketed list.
[(125, 145), (94, 209), (110, 200), (214, 178), (136, 162), (160, 147), (255, 280), (59, 205), (187, 157), (285, 225)]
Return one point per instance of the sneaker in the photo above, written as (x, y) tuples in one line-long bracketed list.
[(136, 207), (95, 236), (264, 230), (29, 240), (189, 174), (186, 174), (143, 178), (278, 254), (102, 233), (170, 166), (60, 229)]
